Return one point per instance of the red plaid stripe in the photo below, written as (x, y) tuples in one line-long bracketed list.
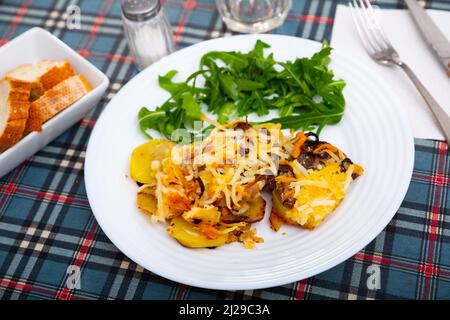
[(66, 293), (311, 18), (21, 286), (428, 268), (14, 22), (188, 6), (52, 228), (96, 26)]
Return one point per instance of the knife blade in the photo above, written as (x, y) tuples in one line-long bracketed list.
[(432, 34)]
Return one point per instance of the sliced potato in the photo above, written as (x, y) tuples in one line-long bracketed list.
[(275, 221), (147, 202), (190, 236), (208, 215), (277, 204), (254, 213), (143, 157), (148, 189), (281, 211)]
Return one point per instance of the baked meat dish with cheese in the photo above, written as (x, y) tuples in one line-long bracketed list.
[(210, 191)]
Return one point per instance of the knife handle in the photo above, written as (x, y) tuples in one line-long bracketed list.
[(439, 113)]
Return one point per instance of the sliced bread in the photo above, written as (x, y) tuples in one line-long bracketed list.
[(14, 108), (55, 100), (42, 75)]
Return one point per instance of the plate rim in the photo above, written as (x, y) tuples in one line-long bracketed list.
[(260, 284)]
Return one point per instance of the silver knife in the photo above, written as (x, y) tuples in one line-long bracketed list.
[(432, 34)]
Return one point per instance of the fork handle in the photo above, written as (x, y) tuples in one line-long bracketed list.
[(441, 116)]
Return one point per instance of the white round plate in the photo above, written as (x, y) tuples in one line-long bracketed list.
[(372, 133)]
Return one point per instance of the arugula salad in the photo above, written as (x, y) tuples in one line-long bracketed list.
[(303, 92)]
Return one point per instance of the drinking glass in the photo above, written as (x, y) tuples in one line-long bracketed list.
[(253, 16)]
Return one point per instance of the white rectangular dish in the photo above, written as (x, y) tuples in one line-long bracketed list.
[(32, 46)]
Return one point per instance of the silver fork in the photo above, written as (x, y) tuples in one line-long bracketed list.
[(381, 50)]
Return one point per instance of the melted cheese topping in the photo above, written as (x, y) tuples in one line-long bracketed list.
[(228, 163), (205, 179), (318, 193)]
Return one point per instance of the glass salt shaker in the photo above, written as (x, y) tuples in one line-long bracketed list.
[(147, 30)]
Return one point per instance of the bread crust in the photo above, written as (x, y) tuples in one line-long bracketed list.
[(19, 105), (35, 93), (55, 100), (42, 75), (56, 74)]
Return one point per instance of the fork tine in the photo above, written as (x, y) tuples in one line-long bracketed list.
[(371, 26), (360, 27), (380, 30)]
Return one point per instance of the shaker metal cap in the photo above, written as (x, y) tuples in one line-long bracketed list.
[(139, 10)]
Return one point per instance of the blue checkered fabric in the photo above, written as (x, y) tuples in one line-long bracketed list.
[(46, 223)]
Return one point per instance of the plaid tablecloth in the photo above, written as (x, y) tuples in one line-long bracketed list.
[(46, 224)]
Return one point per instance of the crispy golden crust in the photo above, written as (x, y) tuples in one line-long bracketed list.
[(12, 133), (55, 100), (275, 221), (42, 75), (86, 83), (56, 74), (277, 218), (19, 87), (18, 101), (34, 122)]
